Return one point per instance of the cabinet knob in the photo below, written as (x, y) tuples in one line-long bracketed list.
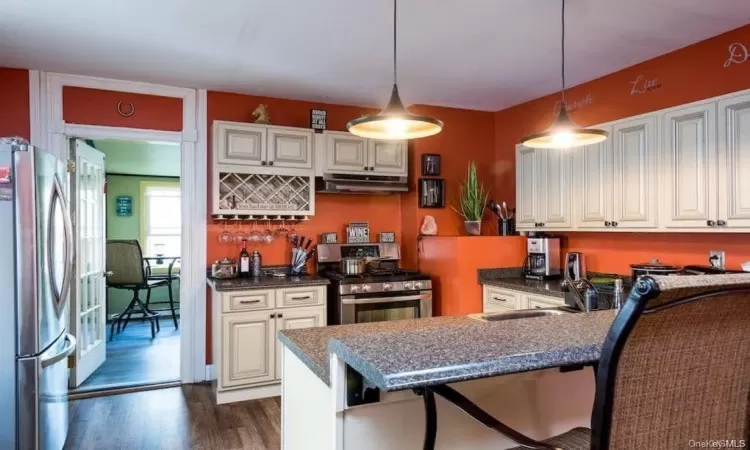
[(607, 224), (273, 315), (710, 223), (614, 224), (262, 163), (270, 163), (279, 315), (721, 223)]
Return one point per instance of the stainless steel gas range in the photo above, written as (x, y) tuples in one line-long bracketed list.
[(382, 292)]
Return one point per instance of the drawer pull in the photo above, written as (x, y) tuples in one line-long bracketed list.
[(307, 297), (248, 302), (499, 299)]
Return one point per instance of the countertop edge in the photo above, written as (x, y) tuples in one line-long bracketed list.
[(363, 367), (515, 287), (321, 372), (280, 284)]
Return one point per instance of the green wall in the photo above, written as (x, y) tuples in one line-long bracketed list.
[(130, 228)]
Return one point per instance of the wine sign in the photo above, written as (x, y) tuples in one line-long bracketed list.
[(318, 120), (738, 54), (641, 85), (358, 233)]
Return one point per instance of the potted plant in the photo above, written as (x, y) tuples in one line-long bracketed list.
[(473, 198)]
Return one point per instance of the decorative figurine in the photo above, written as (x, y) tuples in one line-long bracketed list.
[(261, 115), (429, 227)]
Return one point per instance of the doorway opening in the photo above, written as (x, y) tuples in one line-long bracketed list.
[(125, 308)]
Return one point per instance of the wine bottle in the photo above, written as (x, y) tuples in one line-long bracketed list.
[(244, 261)]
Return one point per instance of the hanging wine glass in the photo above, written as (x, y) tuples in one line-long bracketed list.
[(226, 236), (281, 230), (239, 235), (268, 236), (255, 235)]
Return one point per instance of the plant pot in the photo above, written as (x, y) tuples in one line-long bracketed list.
[(473, 227)]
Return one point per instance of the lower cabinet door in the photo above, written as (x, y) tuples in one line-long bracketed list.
[(293, 319), (248, 348)]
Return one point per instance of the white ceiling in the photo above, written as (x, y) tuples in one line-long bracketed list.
[(480, 54)]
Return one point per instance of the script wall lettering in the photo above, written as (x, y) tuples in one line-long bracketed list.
[(738, 54), (575, 104), (641, 85)]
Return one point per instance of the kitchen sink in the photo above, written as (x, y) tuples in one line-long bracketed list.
[(524, 314)]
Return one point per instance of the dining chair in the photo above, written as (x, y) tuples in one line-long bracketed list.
[(674, 368), (171, 277), (125, 269)]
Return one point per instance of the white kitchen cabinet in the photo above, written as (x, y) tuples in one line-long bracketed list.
[(497, 299), (245, 325), (347, 153), (295, 319), (270, 146), (543, 188), (387, 157), (734, 162), (634, 144), (592, 189), (240, 143), (688, 167), (249, 348), (290, 147), (534, 301)]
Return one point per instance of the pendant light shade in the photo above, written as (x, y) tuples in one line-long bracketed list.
[(564, 133), (395, 122)]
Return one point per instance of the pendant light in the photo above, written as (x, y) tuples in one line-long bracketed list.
[(564, 133), (395, 121)]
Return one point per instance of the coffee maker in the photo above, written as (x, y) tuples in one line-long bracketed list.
[(542, 258)]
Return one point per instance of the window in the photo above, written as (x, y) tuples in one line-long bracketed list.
[(160, 218)]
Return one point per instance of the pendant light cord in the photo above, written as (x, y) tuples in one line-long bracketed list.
[(563, 55), (394, 43)]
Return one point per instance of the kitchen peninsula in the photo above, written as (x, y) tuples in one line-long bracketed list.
[(353, 386)]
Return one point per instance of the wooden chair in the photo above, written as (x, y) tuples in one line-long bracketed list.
[(126, 271), (675, 368)]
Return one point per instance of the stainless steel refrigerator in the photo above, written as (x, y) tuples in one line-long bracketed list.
[(36, 270)]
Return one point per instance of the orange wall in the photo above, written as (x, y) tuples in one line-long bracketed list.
[(467, 136), (453, 263), (99, 107), (685, 75), (14, 90)]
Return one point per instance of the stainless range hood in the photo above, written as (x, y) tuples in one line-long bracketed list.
[(339, 183)]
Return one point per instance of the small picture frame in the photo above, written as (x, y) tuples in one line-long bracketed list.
[(329, 238), (430, 165), (387, 237), (431, 193), (318, 120)]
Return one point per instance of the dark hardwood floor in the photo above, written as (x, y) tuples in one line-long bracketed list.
[(133, 358), (186, 417)]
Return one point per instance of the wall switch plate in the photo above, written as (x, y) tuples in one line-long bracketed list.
[(716, 258)]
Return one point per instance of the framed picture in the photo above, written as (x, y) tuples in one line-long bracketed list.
[(430, 165), (318, 120), (431, 193)]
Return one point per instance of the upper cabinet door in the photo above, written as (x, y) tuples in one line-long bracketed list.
[(290, 148), (688, 167), (734, 162), (555, 190), (346, 152), (634, 166), (528, 180), (240, 143), (593, 187), (388, 157)]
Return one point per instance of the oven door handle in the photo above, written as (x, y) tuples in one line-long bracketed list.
[(350, 300)]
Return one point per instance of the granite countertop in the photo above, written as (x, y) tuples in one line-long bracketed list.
[(265, 282), (412, 353)]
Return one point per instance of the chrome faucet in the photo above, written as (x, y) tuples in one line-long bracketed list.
[(584, 303)]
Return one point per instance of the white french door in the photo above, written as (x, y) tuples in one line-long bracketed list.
[(88, 313)]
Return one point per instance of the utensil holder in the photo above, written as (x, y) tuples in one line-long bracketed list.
[(506, 227)]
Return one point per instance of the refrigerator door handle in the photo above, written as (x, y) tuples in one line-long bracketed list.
[(57, 196), (67, 351)]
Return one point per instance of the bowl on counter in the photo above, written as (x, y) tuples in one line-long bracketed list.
[(224, 269)]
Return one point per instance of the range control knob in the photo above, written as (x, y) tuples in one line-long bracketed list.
[(366, 288), (408, 286), (354, 288), (418, 285), (387, 286)]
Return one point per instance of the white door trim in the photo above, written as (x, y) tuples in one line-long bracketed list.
[(49, 131)]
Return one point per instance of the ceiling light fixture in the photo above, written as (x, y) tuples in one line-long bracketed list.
[(564, 133), (395, 121)]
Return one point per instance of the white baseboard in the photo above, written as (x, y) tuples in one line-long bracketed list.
[(210, 372), (251, 393)]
